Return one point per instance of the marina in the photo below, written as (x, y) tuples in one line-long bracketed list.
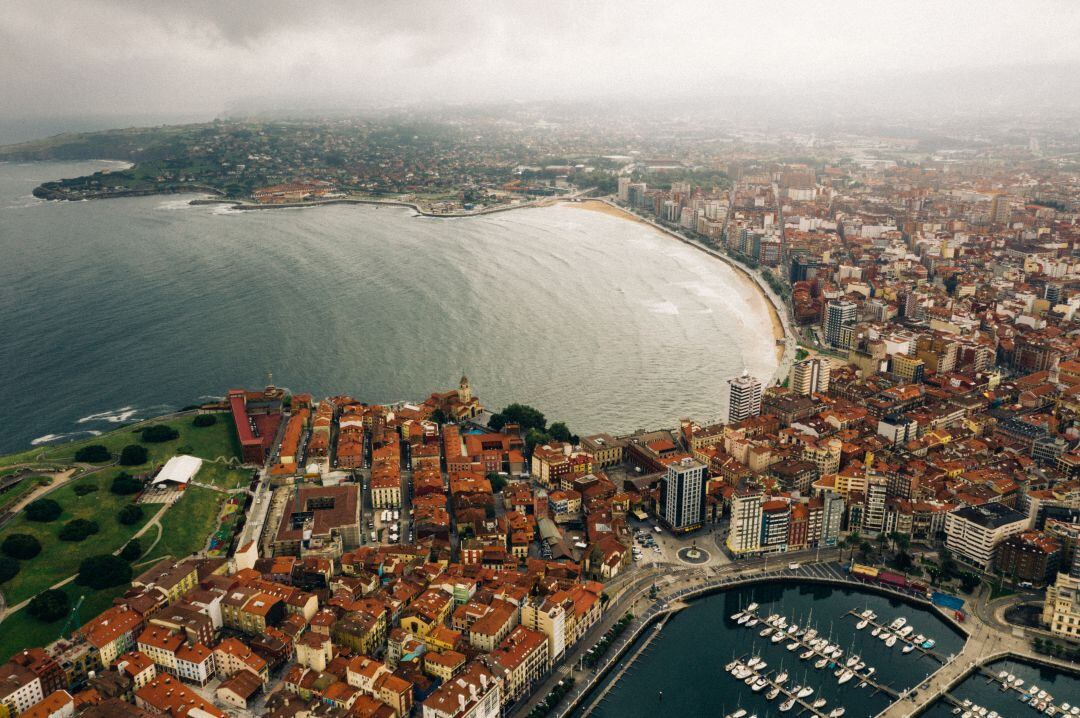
[(1011, 689), (678, 672)]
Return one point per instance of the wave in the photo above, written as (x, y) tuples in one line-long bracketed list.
[(53, 438), (114, 416)]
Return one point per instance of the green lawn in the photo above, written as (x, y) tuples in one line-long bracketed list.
[(20, 630), (187, 525), (60, 559), (222, 476), (208, 442)]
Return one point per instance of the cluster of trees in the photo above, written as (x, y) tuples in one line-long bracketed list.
[(1058, 650), (43, 510), (552, 698), (49, 606), (104, 571), (78, 530), (133, 455), (93, 454), (84, 488), (158, 433), (203, 420), (130, 514), (124, 484), (533, 423)]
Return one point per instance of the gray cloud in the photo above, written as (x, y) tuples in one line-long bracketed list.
[(206, 56)]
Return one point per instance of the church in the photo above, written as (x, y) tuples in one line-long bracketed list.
[(458, 405)]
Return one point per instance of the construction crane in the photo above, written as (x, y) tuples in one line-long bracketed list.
[(73, 617)]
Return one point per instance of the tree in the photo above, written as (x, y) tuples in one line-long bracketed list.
[(559, 432), (125, 484), (43, 510), (132, 550), (204, 420), (49, 606), (865, 549), (534, 437), (93, 454), (525, 416), (23, 546), (104, 571), (157, 433), (133, 455), (130, 514), (9, 568), (439, 417), (84, 488), (498, 483), (78, 530)]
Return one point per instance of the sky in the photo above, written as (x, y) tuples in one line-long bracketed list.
[(210, 58)]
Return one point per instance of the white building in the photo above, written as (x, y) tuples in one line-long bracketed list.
[(744, 532), (973, 533), (809, 376), (20, 688), (744, 398)]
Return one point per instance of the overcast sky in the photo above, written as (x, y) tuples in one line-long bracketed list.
[(207, 57)]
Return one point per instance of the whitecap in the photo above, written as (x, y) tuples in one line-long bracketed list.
[(115, 416), (667, 308), (52, 438), (175, 204)]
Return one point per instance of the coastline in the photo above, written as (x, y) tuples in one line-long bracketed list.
[(420, 211), (782, 332)]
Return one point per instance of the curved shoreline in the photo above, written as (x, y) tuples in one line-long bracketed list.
[(248, 206), (778, 309)]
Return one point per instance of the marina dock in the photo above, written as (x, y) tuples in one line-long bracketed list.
[(907, 641), (859, 677)]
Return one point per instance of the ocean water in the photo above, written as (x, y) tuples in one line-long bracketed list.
[(124, 308)]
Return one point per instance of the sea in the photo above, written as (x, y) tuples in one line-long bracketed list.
[(121, 309)]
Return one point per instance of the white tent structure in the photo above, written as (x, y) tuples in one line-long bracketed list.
[(178, 470)]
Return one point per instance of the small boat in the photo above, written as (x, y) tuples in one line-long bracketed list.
[(765, 631), (753, 662), (821, 664), (819, 703), (752, 622), (909, 647), (736, 616), (862, 624), (852, 661), (845, 677), (919, 638), (778, 636), (737, 714), (905, 631), (772, 693), (731, 665), (743, 619), (750, 679), (898, 623), (804, 691), (758, 685), (792, 628), (751, 607), (806, 654), (891, 641), (870, 671), (793, 646), (929, 643), (786, 705), (836, 712), (876, 631), (860, 665)]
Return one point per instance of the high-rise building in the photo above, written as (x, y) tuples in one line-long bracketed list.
[(809, 376), (744, 397), (744, 531), (838, 312), (682, 495), (1000, 210), (624, 189)]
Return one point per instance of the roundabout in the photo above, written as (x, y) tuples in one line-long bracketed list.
[(693, 555)]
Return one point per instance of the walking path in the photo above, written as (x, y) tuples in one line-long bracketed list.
[(154, 521)]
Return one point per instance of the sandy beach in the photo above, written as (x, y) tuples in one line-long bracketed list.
[(596, 205)]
